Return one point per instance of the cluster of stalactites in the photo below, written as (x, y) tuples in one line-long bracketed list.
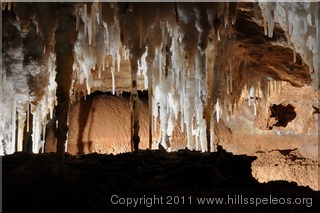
[(300, 21), (174, 45), (28, 87), (177, 67), (98, 41)]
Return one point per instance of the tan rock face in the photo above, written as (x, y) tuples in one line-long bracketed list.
[(101, 124), (286, 165), (285, 152)]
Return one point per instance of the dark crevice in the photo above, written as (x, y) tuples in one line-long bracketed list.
[(315, 110), (142, 94), (282, 114)]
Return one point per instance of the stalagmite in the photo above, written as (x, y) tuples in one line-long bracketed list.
[(212, 133), (136, 107), (28, 118), (210, 57), (149, 59)]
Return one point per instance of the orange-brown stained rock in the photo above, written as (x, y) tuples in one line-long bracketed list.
[(102, 124)]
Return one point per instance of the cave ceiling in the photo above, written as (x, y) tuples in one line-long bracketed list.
[(201, 56)]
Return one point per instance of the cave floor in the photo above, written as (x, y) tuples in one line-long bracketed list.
[(163, 182)]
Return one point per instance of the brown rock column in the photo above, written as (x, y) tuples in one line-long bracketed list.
[(65, 37), (136, 104)]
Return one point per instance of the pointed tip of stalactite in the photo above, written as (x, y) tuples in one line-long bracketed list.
[(130, 8)]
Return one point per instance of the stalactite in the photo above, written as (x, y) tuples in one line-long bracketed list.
[(271, 7), (77, 14), (14, 119), (233, 8), (113, 80), (94, 8), (265, 26), (1, 90), (100, 10), (21, 124), (52, 99), (218, 110), (189, 106), (89, 25), (36, 130), (254, 103), (141, 32), (44, 124), (249, 94), (267, 95), (231, 78), (85, 19), (3, 5)]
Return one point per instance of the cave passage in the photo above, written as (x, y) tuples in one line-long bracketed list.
[(283, 114)]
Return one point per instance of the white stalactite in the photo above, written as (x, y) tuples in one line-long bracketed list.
[(85, 19), (13, 130)]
